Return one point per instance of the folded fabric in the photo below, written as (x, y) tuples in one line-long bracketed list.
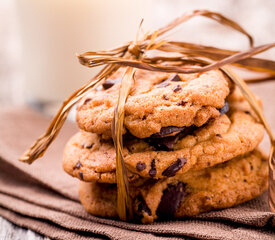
[(43, 198)]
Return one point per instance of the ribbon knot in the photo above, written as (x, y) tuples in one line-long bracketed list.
[(134, 49)]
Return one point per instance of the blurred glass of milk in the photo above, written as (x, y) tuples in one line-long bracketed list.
[(53, 31)]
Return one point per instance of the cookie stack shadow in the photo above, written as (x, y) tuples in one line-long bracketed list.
[(190, 146)]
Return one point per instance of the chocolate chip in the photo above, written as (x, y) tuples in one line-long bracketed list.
[(207, 198), (247, 112), (142, 207), (182, 103), (219, 135), (163, 84), (78, 165), (81, 175), (251, 167), (166, 131), (153, 170), (162, 144), (224, 109), (89, 146), (171, 200), (140, 166), (174, 78), (177, 88), (176, 166), (245, 180), (144, 117), (110, 82), (167, 143), (86, 101), (165, 97)]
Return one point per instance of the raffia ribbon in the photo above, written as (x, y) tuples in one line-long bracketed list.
[(135, 55)]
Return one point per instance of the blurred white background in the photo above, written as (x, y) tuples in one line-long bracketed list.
[(39, 39)]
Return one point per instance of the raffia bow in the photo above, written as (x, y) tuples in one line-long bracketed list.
[(136, 55)]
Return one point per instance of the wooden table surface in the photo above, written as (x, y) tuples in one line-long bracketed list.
[(9, 231)]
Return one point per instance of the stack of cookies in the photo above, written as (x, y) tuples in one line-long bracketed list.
[(189, 146)]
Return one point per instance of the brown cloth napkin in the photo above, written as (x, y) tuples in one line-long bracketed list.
[(44, 198)]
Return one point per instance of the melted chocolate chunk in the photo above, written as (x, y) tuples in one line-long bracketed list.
[(164, 131), (153, 170), (78, 165), (88, 146), (140, 166), (174, 78), (110, 82), (251, 166), (167, 143), (171, 200), (224, 109), (219, 135), (142, 207), (86, 101), (176, 166), (81, 175), (163, 84), (177, 88)]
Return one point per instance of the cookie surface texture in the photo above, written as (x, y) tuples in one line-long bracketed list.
[(156, 100)]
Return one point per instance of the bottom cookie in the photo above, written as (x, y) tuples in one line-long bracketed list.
[(224, 185)]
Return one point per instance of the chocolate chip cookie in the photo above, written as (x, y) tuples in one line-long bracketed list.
[(221, 186), (89, 157), (157, 100)]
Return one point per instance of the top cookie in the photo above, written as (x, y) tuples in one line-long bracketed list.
[(157, 100)]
